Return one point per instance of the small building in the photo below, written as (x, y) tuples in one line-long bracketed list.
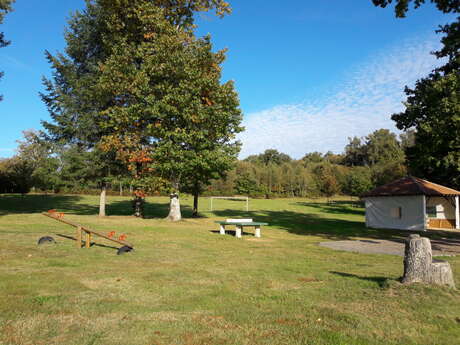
[(411, 203)]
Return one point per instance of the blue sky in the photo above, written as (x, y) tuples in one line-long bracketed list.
[(309, 73)]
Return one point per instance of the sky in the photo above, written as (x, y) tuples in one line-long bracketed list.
[(309, 74)]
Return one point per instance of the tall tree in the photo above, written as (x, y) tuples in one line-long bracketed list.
[(382, 146), (433, 105), (171, 109), (5, 7)]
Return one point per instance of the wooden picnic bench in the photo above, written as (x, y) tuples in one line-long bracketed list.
[(239, 224)]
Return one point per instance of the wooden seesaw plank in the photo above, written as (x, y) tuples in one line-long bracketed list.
[(87, 230)]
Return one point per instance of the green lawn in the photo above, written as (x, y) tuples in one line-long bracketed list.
[(186, 284)]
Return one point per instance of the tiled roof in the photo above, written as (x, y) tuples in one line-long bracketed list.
[(411, 186)]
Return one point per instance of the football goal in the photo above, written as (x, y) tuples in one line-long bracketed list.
[(241, 198)]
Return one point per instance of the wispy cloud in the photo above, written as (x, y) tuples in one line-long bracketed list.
[(15, 63), (362, 103)]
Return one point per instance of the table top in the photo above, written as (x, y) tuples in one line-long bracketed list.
[(241, 223)]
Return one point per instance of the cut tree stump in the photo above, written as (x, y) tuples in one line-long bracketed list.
[(419, 266)]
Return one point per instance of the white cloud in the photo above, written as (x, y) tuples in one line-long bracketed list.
[(363, 103)]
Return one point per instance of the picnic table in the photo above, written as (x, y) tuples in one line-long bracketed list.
[(239, 224)]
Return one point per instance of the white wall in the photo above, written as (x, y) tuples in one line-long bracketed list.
[(380, 212), (444, 208)]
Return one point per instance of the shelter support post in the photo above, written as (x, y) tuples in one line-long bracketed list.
[(222, 229), (424, 212), (457, 213)]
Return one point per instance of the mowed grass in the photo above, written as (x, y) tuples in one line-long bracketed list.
[(186, 284)]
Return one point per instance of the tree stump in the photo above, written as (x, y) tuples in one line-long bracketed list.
[(419, 266)]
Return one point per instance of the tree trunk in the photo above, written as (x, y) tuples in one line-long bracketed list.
[(419, 266), (121, 189), (138, 206), (102, 199), (174, 208), (195, 204)]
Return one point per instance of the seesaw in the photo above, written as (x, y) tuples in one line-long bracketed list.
[(83, 231)]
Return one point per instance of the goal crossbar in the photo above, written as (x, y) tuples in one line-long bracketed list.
[(231, 198)]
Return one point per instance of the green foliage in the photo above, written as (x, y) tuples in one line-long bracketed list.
[(358, 181), (432, 107), (269, 156), (402, 6), (433, 110), (15, 175), (172, 116), (326, 179), (379, 147), (382, 147)]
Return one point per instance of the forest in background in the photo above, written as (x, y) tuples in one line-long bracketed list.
[(365, 163)]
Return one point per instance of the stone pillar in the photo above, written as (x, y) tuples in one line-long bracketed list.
[(419, 266)]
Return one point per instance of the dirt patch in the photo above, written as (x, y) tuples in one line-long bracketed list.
[(440, 247)]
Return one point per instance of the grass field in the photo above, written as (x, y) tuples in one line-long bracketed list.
[(186, 284)]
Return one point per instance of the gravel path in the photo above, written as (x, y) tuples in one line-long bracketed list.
[(440, 247)]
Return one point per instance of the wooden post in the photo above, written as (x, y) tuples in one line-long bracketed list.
[(88, 240), (257, 232), (222, 229), (79, 233)]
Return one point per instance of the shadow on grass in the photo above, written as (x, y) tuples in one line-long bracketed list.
[(336, 207), (151, 210), (232, 232), (329, 228), (36, 203), (83, 242), (382, 282), (72, 204)]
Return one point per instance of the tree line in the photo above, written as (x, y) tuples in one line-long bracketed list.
[(366, 162)]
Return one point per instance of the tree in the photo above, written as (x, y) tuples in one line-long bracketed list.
[(270, 156), (382, 147), (402, 6), (358, 181), (432, 107), (40, 156), (326, 179), (171, 109), (5, 7), (71, 99), (355, 154), (74, 104)]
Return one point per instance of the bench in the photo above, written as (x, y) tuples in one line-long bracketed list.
[(239, 224)]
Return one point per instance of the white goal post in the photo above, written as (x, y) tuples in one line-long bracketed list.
[(230, 198)]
